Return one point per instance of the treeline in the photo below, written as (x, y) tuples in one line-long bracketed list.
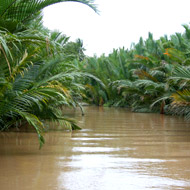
[(152, 76)]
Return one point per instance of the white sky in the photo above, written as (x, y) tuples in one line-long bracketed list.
[(120, 22)]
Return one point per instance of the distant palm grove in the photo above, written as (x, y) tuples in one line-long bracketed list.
[(42, 72)]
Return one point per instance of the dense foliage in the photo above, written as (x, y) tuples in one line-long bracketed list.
[(36, 74), (153, 76)]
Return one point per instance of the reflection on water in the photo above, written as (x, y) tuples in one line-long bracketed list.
[(116, 150)]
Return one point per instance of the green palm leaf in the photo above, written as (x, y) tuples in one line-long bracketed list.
[(22, 10), (181, 76)]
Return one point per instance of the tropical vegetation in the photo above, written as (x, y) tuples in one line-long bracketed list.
[(36, 75), (41, 72), (151, 76)]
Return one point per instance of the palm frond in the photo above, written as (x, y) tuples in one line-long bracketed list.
[(36, 123), (181, 76), (181, 97), (21, 10)]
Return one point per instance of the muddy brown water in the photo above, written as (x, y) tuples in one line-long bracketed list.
[(116, 150)]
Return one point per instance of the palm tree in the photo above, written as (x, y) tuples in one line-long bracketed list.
[(33, 87), (31, 90)]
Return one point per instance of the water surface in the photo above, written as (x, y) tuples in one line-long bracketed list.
[(116, 150)]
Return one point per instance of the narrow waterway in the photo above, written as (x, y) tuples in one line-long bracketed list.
[(115, 150)]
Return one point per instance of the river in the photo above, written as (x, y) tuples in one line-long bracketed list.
[(115, 150)]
